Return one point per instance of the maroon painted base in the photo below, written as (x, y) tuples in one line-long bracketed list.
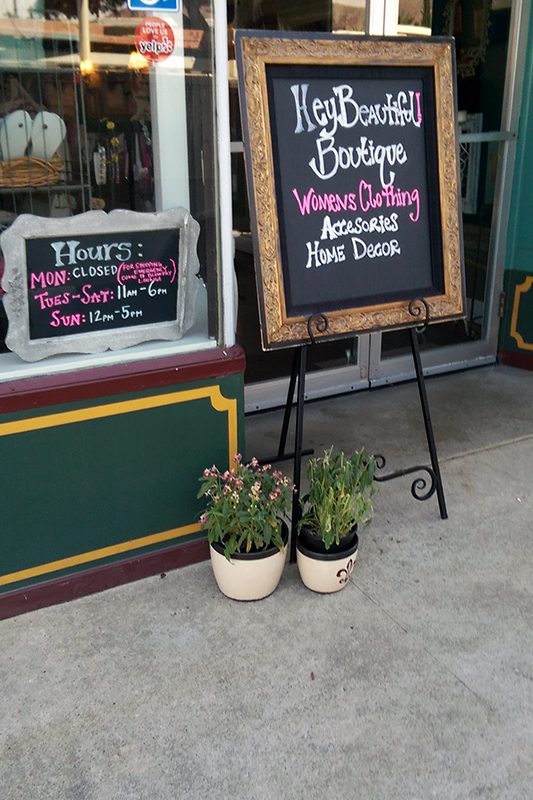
[(70, 587), (520, 360), (88, 384)]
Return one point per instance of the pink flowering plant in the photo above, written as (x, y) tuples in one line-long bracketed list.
[(245, 506)]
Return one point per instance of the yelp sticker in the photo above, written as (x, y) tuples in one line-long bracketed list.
[(154, 39)]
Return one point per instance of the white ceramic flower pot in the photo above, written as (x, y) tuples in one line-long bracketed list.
[(326, 572), (248, 576)]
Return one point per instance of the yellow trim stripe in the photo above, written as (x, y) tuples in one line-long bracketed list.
[(519, 290), (94, 555), (218, 402)]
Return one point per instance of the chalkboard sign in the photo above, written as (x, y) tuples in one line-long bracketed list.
[(352, 169), (98, 281)]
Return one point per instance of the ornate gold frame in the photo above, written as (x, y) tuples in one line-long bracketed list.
[(257, 52)]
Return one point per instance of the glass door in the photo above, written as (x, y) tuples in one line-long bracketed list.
[(488, 71)]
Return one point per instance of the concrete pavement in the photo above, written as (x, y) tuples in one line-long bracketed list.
[(414, 682)]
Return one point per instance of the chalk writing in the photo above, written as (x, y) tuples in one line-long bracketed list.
[(324, 117), (353, 184), (146, 272), (342, 110), (80, 280)]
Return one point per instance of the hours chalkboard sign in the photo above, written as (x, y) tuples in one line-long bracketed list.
[(98, 281), (352, 170)]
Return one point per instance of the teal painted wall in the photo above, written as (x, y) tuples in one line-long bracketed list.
[(516, 329), (520, 234)]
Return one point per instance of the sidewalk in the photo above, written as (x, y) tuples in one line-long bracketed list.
[(414, 682)]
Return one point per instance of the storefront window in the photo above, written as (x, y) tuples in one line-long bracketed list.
[(94, 116)]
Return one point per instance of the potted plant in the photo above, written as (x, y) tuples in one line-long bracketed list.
[(246, 534), (337, 506)]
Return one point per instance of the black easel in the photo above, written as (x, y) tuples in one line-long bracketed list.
[(419, 489)]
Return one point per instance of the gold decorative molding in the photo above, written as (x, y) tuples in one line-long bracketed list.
[(520, 289), (257, 53)]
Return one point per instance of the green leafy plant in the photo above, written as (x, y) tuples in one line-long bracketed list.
[(340, 491), (244, 506)]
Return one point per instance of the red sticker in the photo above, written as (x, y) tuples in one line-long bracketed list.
[(154, 39)]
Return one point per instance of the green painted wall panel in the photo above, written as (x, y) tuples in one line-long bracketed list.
[(516, 330), (74, 488), (520, 232)]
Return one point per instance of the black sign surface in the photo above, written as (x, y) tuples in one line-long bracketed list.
[(100, 282), (353, 180), (354, 175)]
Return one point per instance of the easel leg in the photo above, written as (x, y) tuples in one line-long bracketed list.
[(282, 455), (302, 358), (427, 422), (288, 404)]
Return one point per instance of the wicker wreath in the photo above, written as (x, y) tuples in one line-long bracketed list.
[(31, 171)]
